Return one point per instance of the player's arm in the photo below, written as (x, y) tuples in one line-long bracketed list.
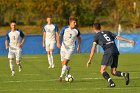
[(6, 44), (44, 37), (22, 42), (6, 41), (126, 40), (79, 43), (58, 39), (91, 54)]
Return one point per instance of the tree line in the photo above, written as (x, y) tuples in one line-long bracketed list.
[(34, 12)]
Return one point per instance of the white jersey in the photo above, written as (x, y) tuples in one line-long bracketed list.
[(50, 32), (69, 38), (14, 38)]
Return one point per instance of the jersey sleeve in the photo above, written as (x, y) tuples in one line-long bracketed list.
[(7, 36), (95, 40), (21, 34), (56, 28), (78, 35), (62, 31), (113, 34), (44, 28)]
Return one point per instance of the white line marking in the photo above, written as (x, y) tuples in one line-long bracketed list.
[(24, 81), (72, 89)]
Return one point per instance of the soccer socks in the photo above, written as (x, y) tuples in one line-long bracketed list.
[(51, 56), (64, 68), (11, 65), (120, 74), (49, 60), (68, 70), (20, 67), (107, 77)]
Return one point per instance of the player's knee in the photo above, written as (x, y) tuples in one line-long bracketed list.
[(113, 73), (102, 71)]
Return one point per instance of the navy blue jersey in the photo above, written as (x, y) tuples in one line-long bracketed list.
[(106, 40)]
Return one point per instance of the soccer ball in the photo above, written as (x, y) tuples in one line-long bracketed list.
[(69, 78)]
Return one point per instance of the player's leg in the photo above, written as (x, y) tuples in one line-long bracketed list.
[(64, 68), (65, 57), (106, 75), (51, 53), (118, 73), (48, 53), (107, 61), (11, 64), (18, 59)]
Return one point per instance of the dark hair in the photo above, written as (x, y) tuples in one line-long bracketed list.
[(12, 21), (72, 19), (97, 26), (49, 16)]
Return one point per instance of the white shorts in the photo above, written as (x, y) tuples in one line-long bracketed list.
[(65, 54), (50, 45), (14, 52)]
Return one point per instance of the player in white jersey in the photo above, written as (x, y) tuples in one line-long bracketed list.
[(14, 41), (69, 34), (50, 31)]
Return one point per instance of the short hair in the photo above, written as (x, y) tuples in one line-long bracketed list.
[(12, 21), (97, 26), (49, 16), (72, 19)]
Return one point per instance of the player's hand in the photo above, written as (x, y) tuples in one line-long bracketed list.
[(7, 47), (58, 45), (88, 63), (20, 45), (78, 49), (132, 42), (43, 45)]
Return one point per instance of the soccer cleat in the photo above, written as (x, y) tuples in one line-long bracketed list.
[(13, 73), (20, 68), (126, 78), (52, 66), (111, 83), (60, 79)]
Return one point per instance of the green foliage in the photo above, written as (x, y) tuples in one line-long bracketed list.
[(34, 12)]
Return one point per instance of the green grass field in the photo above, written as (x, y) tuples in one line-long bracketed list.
[(37, 78)]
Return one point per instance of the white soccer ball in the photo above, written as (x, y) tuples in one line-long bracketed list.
[(69, 78)]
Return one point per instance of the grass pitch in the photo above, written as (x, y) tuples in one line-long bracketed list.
[(37, 78)]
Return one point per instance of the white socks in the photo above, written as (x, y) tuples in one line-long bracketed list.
[(50, 60), (11, 65), (64, 69)]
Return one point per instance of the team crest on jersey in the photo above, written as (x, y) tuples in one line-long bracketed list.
[(70, 36)]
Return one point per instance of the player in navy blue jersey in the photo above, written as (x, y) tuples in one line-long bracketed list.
[(106, 40)]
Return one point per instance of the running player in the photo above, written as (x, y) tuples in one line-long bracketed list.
[(50, 31), (14, 41), (106, 40), (69, 34)]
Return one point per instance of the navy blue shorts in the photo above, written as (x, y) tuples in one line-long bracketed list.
[(110, 60)]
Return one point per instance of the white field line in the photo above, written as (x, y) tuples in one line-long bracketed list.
[(72, 89), (30, 57), (51, 80)]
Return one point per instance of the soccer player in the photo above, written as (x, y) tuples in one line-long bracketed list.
[(50, 31), (14, 41), (69, 34), (106, 40)]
